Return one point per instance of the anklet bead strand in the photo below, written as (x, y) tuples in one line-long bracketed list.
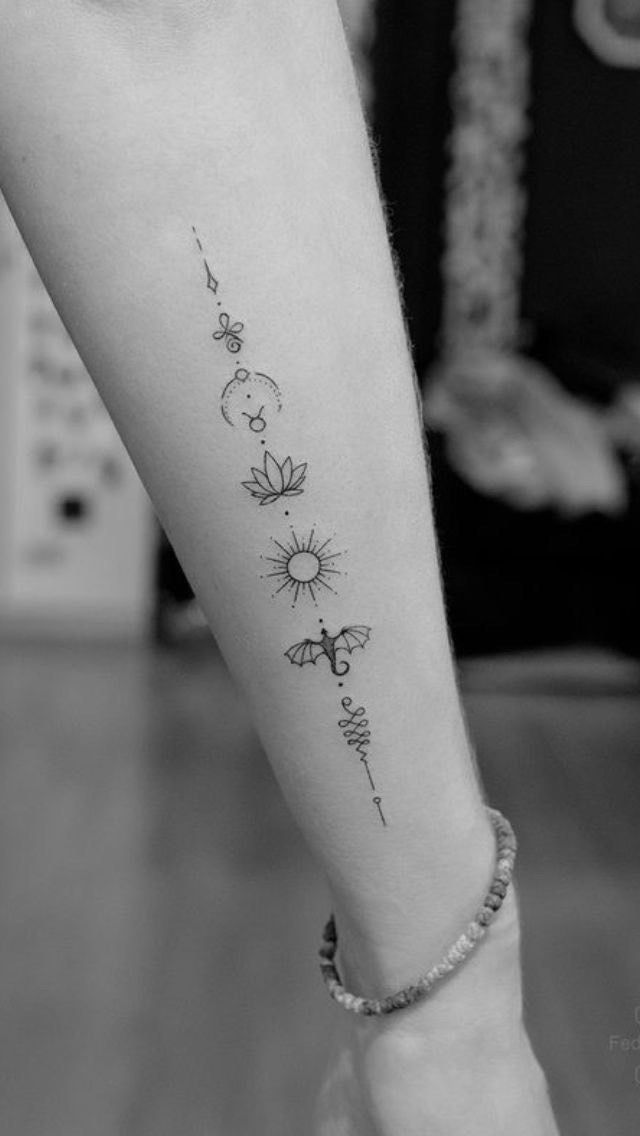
[(376, 1007)]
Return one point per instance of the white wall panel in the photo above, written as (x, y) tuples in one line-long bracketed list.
[(76, 532)]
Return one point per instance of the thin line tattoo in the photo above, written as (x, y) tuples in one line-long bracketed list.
[(250, 387), (276, 480), (211, 281), (250, 396), (303, 566), (356, 732), (310, 650), (229, 333), (300, 566)]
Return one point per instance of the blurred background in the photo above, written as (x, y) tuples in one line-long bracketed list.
[(151, 879)]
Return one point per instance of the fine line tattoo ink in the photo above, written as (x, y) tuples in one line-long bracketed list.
[(276, 480), (303, 566), (300, 566), (310, 650)]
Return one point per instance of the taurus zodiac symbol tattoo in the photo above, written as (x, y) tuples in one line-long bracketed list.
[(249, 385), (257, 422)]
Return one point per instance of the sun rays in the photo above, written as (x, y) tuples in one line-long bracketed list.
[(303, 567)]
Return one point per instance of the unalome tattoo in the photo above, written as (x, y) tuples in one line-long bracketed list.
[(356, 732)]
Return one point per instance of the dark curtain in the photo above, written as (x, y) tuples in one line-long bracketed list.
[(527, 579)]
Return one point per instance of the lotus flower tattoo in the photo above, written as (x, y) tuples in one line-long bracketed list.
[(276, 480)]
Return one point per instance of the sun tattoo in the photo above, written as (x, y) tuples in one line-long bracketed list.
[(303, 567)]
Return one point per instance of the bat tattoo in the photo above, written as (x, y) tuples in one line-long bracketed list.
[(310, 650)]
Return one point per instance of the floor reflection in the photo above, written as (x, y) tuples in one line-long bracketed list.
[(160, 912)]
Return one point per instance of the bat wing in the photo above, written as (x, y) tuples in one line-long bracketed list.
[(305, 652), (352, 637)]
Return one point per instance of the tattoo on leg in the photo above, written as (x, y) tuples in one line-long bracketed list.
[(303, 566), (310, 650), (276, 480), (356, 732), (250, 387)]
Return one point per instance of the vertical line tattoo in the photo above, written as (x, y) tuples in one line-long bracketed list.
[(301, 566), (210, 279)]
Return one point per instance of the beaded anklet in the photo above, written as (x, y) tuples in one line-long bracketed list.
[(372, 1007)]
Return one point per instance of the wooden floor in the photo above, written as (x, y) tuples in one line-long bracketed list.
[(159, 912)]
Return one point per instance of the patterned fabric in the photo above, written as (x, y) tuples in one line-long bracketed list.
[(486, 201), (516, 578), (512, 431)]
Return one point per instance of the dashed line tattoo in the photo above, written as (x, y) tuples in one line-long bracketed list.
[(299, 567), (210, 279)]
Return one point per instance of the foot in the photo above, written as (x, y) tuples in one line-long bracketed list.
[(458, 1063)]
